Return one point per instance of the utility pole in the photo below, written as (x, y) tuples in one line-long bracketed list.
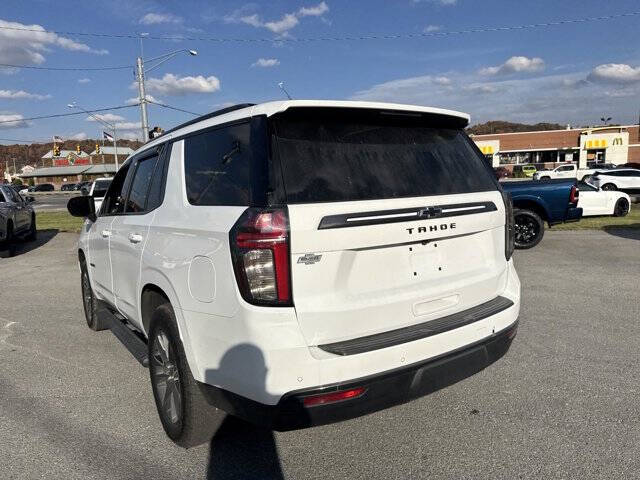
[(142, 98)]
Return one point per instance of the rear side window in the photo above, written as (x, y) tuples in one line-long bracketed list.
[(136, 202), (334, 155), (217, 166), (2, 199)]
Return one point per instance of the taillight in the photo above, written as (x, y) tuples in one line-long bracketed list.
[(509, 226), (574, 195), (260, 251)]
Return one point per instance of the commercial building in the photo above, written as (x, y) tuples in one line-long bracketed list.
[(546, 149), (58, 176), (72, 166)]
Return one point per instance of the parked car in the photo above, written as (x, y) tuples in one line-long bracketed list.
[(526, 170), (625, 179), (569, 170), (17, 218), (501, 172), (601, 166), (595, 201), (98, 190), (268, 275), (42, 187), (535, 202), (68, 187), (85, 185)]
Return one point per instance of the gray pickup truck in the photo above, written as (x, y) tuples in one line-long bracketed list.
[(17, 218)]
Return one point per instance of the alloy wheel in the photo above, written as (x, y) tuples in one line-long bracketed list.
[(526, 229), (166, 378)]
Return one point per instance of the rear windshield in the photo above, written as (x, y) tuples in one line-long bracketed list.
[(331, 155)]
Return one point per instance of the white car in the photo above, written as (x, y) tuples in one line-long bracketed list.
[(626, 179), (296, 263), (569, 170), (98, 190), (595, 201)]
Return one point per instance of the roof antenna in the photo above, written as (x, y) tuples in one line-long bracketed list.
[(281, 85)]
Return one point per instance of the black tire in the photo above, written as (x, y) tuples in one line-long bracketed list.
[(609, 187), (33, 231), (94, 321), (622, 208), (186, 416), (9, 241), (545, 178), (529, 229)]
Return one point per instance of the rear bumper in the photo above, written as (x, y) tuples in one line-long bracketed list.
[(382, 390), (574, 214)]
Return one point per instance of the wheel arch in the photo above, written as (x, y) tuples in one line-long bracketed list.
[(533, 205), (155, 290)]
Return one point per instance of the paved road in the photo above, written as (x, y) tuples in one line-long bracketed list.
[(563, 403), (56, 201)]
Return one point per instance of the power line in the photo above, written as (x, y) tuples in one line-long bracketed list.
[(174, 108), (340, 38), (67, 69), (58, 115)]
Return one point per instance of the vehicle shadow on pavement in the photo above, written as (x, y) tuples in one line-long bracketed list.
[(632, 232), (21, 247), (239, 449)]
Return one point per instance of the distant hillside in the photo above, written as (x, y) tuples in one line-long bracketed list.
[(31, 154), (498, 126)]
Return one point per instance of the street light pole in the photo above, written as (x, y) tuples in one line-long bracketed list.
[(112, 126), (142, 97)]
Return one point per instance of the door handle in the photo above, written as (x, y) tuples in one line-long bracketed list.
[(135, 237), (106, 233)]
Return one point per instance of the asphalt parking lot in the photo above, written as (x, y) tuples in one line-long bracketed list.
[(563, 403)]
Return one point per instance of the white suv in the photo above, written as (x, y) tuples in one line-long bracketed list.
[(296, 263)]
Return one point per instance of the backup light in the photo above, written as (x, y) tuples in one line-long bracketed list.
[(260, 252)]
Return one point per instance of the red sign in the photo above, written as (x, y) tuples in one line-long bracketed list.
[(68, 161)]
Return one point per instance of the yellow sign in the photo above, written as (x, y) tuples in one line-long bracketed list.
[(590, 144), (488, 150), (617, 141)]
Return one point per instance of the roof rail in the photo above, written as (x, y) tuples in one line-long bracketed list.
[(206, 116)]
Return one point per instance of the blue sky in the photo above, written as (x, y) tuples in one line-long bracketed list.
[(573, 73)]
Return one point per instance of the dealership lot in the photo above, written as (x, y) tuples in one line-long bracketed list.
[(563, 403)]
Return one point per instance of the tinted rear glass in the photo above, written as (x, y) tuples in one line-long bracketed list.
[(331, 155), (217, 166)]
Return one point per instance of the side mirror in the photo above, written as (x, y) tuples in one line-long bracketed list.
[(83, 207)]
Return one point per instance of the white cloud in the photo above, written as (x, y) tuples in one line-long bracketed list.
[(78, 136), (21, 95), (446, 3), (620, 73), (515, 65), (280, 26), (531, 99), (266, 62), (432, 28), (128, 136), (157, 18), (84, 80), (105, 117), (442, 81), (286, 23), (171, 84), (128, 125), (22, 44), (315, 11), (12, 120), (134, 100)]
